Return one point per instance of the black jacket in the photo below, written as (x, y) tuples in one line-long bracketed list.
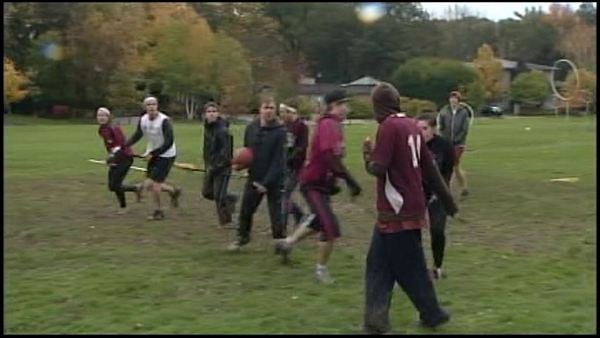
[(218, 145), (443, 153), (268, 145)]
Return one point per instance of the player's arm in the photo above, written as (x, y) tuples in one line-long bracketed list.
[(168, 136), (223, 158), (441, 120), (301, 143), (448, 162), (377, 159), (137, 135), (461, 132), (434, 180), (340, 170)]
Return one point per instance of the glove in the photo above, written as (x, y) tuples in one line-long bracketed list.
[(335, 189), (353, 186)]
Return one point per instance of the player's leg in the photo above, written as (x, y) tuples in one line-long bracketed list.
[(437, 216), (330, 231), (114, 185), (293, 208), (250, 202), (379, 284), (410, 271), (310, 226), (274, 200), (158, 171), (459, 173), (165, 164), (122, 169), (221, 198)]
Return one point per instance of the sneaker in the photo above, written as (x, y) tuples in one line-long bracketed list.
[(122, 211), (441, 319), (175, 197), (283, 248), (323, 276), (157, 215), (438, 274), (465, 192), (235, 246)]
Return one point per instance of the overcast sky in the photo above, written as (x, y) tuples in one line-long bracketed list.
[(491, 10)]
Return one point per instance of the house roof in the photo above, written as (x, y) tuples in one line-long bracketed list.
[(363, 81), (510, 65)]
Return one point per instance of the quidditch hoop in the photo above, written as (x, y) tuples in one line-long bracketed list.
[(553, 85)]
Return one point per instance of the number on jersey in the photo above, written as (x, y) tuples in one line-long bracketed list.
[(415, 149)]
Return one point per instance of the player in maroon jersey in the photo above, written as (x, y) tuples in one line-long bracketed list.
[(118, 161), (401, 161)]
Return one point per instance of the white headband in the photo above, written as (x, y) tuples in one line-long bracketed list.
[(150, 98), (104, 110), (286, 107)]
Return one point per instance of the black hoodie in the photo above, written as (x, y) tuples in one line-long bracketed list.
[(268, 144), (217, 145)]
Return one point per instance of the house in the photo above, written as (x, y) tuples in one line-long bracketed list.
[(510, 69), (315, 91)]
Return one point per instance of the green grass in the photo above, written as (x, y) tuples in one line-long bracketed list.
[(521, 258)]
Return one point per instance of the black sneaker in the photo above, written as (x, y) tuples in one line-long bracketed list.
[(157, 215), (441, 319), (464, 193), (175, 197)]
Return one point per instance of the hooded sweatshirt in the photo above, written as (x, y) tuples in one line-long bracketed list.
[(268, 144), (217, 148)]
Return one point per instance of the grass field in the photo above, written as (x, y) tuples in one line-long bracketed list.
[(521, 258)]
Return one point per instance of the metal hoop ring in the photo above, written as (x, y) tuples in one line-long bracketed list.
[(573, 67)]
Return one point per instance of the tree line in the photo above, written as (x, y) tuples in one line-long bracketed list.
[(88, 54)]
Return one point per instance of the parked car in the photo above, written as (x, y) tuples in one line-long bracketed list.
[(492, 111)]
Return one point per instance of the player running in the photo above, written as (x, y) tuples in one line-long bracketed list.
[(119, 162), (160, 154), (444, 157), (318, 182)]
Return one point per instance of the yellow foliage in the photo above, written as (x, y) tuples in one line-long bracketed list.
[(489, 70), (14, 82), (587, 86)]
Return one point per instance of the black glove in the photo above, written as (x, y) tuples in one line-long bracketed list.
[(353, 186), (335, 189)]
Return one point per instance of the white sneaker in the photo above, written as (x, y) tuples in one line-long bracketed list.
[(323, 276), (306, 220), (234, 247), (122, 211)]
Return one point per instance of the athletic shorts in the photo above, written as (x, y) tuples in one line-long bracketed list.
[(325, 220), (159, 167), (458, 151)]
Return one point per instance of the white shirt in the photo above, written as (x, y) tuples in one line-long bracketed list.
[(152, 129)]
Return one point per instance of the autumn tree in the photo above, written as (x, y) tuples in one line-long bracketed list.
[(577, 38), (15, 82), (490, 71), (582, 94)]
